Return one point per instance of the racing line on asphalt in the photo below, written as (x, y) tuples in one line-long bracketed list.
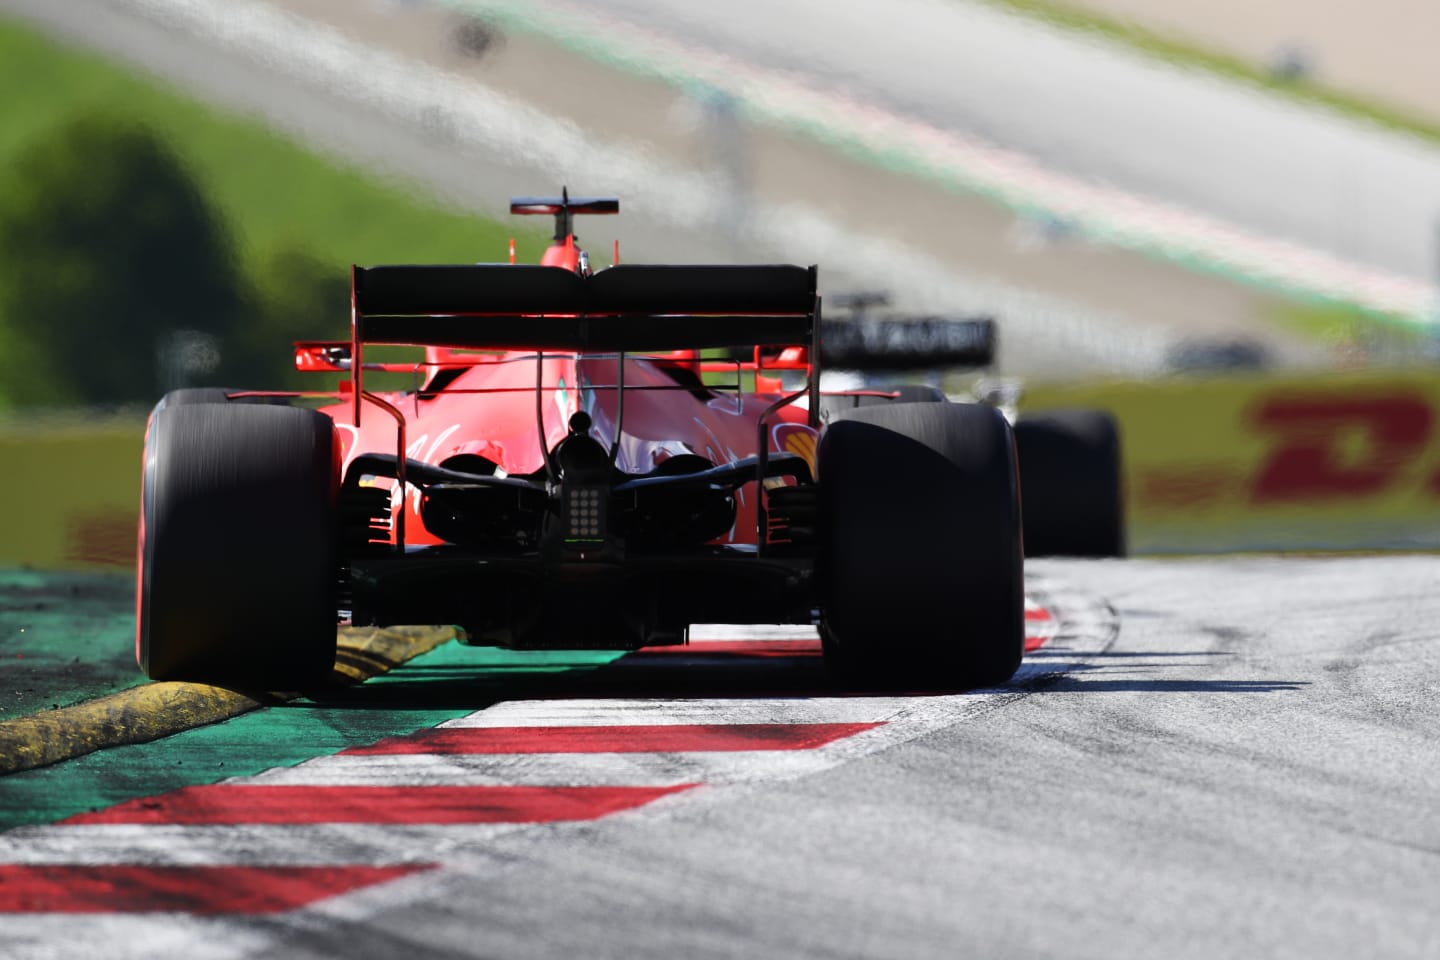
[(408, 806)]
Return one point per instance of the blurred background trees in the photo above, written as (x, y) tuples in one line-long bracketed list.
[(119, 278)]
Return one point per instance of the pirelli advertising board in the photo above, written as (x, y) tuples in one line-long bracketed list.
[(1321, 462)]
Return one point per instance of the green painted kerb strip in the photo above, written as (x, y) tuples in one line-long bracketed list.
[(159, 710), (448, 682), (64, 637)]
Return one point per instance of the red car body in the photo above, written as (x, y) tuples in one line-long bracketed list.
[(488, 412), (501, 418)]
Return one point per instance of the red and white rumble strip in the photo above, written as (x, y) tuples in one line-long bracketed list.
[(154, 874)]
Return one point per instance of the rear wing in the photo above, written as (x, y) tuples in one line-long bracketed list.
[(632, 307), (919, 343)]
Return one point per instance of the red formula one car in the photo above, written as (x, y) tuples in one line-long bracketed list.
[(589, 459)]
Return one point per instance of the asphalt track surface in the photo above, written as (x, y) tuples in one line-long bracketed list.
[(1210, 758), (1092, 109)]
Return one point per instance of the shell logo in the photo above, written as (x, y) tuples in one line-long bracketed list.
[(799, 439)]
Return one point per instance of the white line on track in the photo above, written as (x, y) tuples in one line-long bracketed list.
[(552, 769), (312, 844), (61, 936)]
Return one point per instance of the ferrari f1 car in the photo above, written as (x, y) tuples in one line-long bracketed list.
[(589, 458)]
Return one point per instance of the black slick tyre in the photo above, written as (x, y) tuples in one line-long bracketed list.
[(1072, 490), (237, 554), (920, 569)]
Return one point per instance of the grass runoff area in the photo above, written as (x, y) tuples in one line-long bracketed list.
[(1182, 53), (277, 198)]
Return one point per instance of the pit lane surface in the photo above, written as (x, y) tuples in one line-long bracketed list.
[(1248, 767)]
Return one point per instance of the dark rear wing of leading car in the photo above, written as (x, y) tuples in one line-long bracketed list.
[(630, 307), (916, 343), (638, 308)]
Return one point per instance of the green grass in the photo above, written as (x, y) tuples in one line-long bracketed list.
[(277, 197), (1352, 334), (1186, 54)]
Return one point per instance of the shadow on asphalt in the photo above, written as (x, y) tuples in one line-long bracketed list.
[(691, 674), (641, 674), (1122, 673), (1070, 684)]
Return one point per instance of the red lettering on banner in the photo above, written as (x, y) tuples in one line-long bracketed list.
[(1192, 486), (101, 539), (1309, 462)]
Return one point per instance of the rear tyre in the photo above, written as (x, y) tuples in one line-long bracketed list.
[(237, 559), (920, 570), (1071, 484)]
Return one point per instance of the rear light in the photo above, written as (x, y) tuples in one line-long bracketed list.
[(585, 509)]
